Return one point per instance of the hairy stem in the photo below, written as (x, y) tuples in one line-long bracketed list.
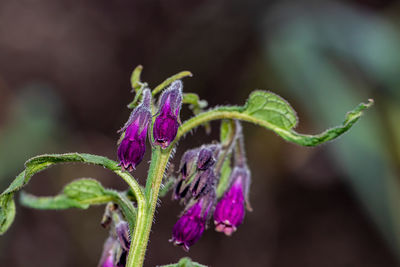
[(159, 160), (141, 202), (289, 135)]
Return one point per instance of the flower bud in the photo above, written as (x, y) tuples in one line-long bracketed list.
[(229, 212), (203, 183), (188, 162), (133, 146), (109, 262), (191, 225), (109, 253), (206, 158), (167, 122)]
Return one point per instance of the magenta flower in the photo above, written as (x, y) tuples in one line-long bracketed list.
[(109, 251), (229, 212), (133, 146), (109, 262), (191, 225), (167, 122)]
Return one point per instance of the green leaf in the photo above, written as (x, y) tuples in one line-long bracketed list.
[(35, 165), (272, 108), (7, 212), (84, 189), (170, 80), (274, 113), (81, 194), (59, 202), (184, 262)]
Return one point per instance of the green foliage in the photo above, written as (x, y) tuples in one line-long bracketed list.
[(274, 113), (80, 194), (59, 202), (272, 108), (185, 262), (40, 163), (170, 80), (84, 189), (7, 212)]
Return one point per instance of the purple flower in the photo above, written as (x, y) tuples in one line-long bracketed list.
[(198, 162), (229, 212), (206, 158), (133, 146), (203, 182), (167, 122), (122, 230), (191, 225), (188, 161), (109, 252), (109, 262)]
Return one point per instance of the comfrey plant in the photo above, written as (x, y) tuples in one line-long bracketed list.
[(213, 180)]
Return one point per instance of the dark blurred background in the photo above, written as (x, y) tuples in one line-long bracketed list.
[(64, 86)]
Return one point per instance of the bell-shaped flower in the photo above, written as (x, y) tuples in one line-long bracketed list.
[(133, 146), (191, 225), (230, 210), (167, 121)]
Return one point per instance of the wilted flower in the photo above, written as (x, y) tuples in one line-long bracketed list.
[(229, 212), (167, 122), (191, 225), (133, 146)]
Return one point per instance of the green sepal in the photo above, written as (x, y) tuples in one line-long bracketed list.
[(224, 180), (136, 84)]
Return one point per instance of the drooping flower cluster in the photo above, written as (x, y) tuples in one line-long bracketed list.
[(196, 187), (197, 173), (117, 245), (133, 145)]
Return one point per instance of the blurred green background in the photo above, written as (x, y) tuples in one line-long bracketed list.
[(64, 85)]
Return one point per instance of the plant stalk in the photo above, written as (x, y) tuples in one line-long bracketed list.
[(144, 221)]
